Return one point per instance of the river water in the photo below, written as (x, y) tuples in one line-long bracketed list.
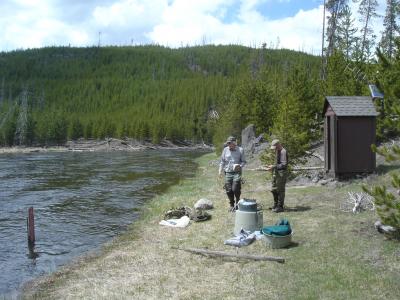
[(80, 200)]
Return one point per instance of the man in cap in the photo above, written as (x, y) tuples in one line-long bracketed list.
[(279, 174), (231, 164)]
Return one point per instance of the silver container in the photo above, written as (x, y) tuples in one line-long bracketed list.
[(248, 220)]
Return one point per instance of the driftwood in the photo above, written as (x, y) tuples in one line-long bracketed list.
[(386, 229), (224, 254)]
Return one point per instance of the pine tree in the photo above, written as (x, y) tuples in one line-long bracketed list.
[(346, 33), (391, 28), (367, 11), (22, 121), (75, 130), (339, 82), (386, 201), (388, 81), (289, 127), (8, 126), (336, 9)]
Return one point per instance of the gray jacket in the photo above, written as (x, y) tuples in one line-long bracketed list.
[(230, 158)]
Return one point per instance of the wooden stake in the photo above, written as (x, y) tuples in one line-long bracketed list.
[(31, 226), (224, 254)]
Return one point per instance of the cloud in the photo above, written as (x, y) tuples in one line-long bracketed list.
[(38, 23), (183, 24), (35, 23)]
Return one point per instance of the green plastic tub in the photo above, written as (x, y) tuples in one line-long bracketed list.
[(276, 241)]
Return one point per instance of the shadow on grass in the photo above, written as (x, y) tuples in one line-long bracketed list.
[(292, 245), (297, 208), (383, 169)]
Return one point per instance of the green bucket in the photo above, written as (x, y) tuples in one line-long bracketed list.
[(277, 241)]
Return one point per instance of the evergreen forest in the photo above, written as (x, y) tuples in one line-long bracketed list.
[(199, 94), (53, 94)]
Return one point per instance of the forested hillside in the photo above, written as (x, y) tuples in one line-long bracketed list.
[(203, 93), (53, 94)]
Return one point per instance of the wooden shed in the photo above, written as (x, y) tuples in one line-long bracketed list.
[(350, 130)]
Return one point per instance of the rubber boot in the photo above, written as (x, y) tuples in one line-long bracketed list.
[(281, 202), (236, 188), (275, 195), (231, 198)]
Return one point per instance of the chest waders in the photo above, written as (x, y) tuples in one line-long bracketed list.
[(278, 185), (233, 187)]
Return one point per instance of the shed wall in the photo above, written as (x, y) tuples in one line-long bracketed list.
[(355, 135)]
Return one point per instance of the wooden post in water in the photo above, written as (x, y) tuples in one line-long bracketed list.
[(31, 227)]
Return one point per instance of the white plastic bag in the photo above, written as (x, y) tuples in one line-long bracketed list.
[(180, 223)]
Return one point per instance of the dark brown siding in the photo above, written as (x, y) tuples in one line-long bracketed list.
[(333, 145), (355, 136)]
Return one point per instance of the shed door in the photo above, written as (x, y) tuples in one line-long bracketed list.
[(332, 144), (355, 136)]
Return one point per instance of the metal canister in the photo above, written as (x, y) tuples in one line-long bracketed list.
[(247, 217)]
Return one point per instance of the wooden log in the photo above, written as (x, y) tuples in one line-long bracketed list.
[(31, 226), (386, 229), (224, 254), (295, 168)]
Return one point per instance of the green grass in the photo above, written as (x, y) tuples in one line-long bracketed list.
[(335, 255)]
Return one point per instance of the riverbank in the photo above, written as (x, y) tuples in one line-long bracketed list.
[(335, 255), (109, 144)]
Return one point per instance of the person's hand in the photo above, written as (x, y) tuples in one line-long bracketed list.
[(237, 168), (270, 167), (219, 173)]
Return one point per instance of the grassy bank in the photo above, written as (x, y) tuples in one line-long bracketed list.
[(336, 255)]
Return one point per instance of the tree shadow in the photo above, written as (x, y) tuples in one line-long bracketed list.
[(298, 208), (383, 169)]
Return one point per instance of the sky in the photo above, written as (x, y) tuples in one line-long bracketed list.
[(291, 24)]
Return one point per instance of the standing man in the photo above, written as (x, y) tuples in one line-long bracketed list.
[(232, 162), (279, 174)]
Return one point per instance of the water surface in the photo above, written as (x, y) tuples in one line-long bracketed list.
[(81, 200)]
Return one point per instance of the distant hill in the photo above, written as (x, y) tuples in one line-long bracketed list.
[(53, 94)]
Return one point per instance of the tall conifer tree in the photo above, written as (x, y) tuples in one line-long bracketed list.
[(367, 11), (391, 28)]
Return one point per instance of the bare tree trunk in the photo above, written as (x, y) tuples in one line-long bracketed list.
[(323, 61), (365, 30)]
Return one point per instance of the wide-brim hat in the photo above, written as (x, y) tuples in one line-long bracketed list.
[(230, 139), (274, 143)]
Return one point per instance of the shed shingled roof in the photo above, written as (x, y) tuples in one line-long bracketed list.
[(352, 106)]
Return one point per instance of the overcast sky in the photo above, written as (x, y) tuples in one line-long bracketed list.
[(293, 24)]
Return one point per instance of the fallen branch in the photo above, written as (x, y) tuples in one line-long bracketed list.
[(357, 202), (386, 229), (307, 168), (258, 169), (315, 155), (294, 168), (224, 254)]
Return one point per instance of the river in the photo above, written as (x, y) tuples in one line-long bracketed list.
[(81, 200)]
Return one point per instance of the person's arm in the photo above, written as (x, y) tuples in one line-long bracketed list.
[(283, 164), (242, 158), (222, 163)]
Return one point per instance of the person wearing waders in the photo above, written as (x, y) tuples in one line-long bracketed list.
[(231, 164), (279, 174)]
